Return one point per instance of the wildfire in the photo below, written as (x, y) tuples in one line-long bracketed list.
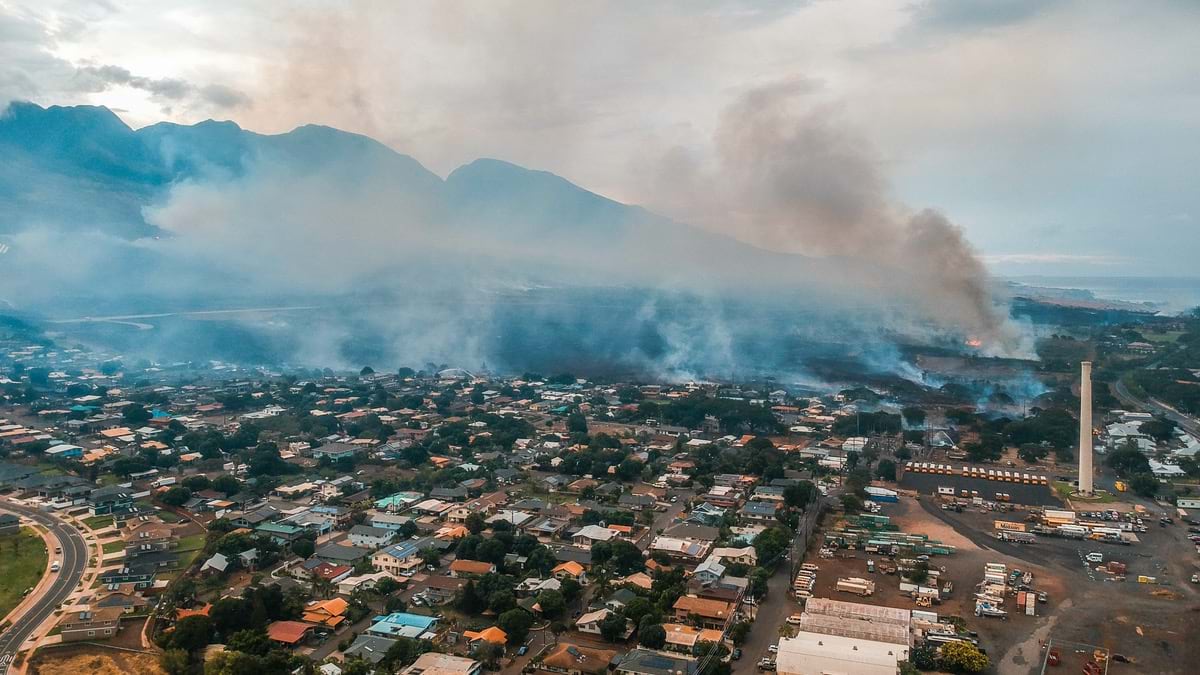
[(974, 342)]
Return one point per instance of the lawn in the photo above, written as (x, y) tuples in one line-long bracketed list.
[(114, 546), (1065, 491), (168, 516), (23, 559), (98, 522), (189, 548)]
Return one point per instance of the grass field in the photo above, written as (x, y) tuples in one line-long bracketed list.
[(114, 546), (98, 522), (1066, 491), (23, 559)]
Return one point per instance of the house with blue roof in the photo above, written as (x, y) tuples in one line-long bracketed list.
[(403, 624), (397, 558)]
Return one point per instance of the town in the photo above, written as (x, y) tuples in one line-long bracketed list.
[(165, 516)]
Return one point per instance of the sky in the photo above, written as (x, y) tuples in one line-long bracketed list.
[(1062, 136)]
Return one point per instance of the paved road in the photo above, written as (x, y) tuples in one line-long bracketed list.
[(74, 560), (1189, 424), (779, 604)]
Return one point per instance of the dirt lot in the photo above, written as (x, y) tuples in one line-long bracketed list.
[(1146, 623), (91, 660)]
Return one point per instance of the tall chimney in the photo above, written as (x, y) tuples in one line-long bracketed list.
[(1085, 428)]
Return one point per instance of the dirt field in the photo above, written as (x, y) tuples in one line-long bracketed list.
[(1146, 623), (93, 661)]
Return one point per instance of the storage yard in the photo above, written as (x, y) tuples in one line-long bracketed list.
[(989, 567), (1146, 631)]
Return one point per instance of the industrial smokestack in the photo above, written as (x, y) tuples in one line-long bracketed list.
[(1085, 428)]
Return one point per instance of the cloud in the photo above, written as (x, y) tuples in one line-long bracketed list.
[(167, 88)]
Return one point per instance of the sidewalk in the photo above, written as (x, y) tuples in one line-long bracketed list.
[(50, 541)]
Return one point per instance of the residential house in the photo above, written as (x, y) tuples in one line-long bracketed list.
[(9, 524), (759, 512), (471, 568), (329, 613), (590, 622), (619, 598), (281, 533), (709, 572), (148, 537), (681, 550), (441, 589), (567, 659), (403, 624), (448, 494), (109, 500), (397, 559), (370, 648), (570, 570), (688, 639), (649, 662), (491, 635), (289, 633), (90, 624), (334, 451), (712, 613), (590, 534), (636, 502), (362, 582), (433, 663), (366, 536), (745, 555), (388, 521)]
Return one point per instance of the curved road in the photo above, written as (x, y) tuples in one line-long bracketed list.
[(1125, 396), (74, 560)]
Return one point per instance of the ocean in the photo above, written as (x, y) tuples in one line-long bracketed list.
[(1171, 295)]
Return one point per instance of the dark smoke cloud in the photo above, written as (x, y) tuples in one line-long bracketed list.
[(787, 174)]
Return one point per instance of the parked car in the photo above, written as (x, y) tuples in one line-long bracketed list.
[(794, 619), (522, 650), (737, 653)]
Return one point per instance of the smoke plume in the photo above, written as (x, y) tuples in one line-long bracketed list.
[(784, 172)]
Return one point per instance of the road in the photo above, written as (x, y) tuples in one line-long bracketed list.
[(779, 604), (74, 561), (1188, 424)]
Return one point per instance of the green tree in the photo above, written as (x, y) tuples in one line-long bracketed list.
[(552, 603), (515, 623), (136, 414), (1127, 460), (577, 423), (886, 470), (226, 484), (653, 636), (174, 662), (962, 657), (1144, 484), (771, 543), (192, 633), (740, 631), (476, 523), (176, 496), (196, 483), (613, 627), (304, 547), (571, 590)]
